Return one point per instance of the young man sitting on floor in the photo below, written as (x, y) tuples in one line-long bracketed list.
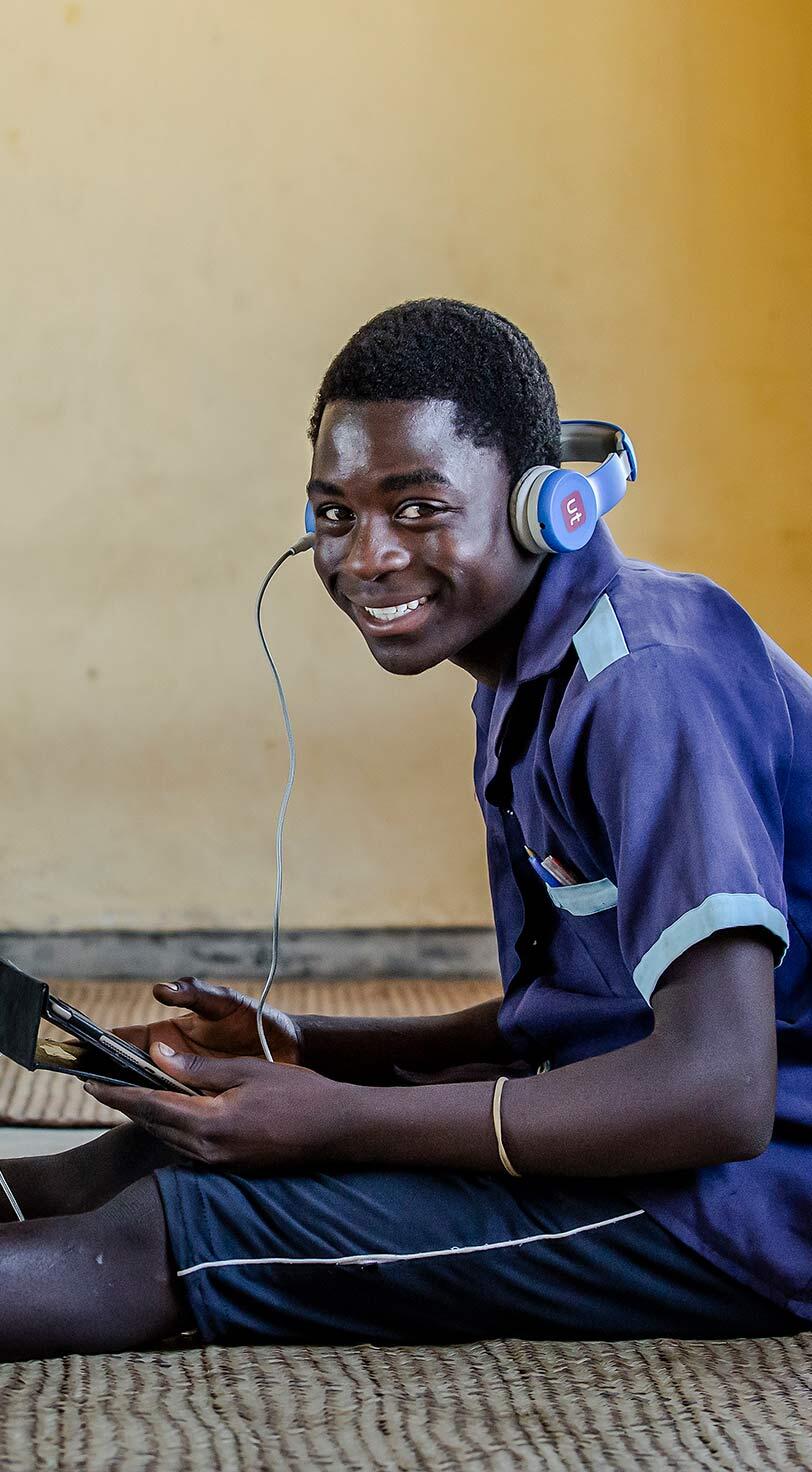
[(646, 1167)]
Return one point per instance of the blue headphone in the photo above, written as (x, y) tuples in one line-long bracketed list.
[(554, 510)]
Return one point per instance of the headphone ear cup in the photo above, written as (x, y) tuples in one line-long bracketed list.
[(524, 519), (553, 510)]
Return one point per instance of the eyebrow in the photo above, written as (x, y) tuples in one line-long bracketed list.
[(402, 481)]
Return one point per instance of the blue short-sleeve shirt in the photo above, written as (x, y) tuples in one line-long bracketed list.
[(654, 747)]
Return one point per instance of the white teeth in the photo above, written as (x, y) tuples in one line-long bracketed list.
[(397, 610)]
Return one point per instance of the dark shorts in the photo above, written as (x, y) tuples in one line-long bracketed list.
[(398, 1256)]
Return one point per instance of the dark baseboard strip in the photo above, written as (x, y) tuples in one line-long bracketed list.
[(342, 954)]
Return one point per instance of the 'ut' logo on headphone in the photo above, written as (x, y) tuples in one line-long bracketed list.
[(572, 511)]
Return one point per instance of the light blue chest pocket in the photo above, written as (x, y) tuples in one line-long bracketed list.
[(585, 899)]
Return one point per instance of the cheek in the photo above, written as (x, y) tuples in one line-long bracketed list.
[(488, 558), (484, 544), (496, 582), (326, 560)]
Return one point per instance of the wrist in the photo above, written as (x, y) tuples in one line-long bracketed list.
[(446, 1126), (345, 1125), (300, 1040), (332, 1046), (356, 1134), (282, 1034)]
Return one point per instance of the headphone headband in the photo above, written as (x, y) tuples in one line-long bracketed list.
[(596, 440)]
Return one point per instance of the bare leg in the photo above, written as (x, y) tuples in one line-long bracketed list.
[(91, 1283), (81, 1179)]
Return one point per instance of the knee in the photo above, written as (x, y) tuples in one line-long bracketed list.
[(129, 1277)]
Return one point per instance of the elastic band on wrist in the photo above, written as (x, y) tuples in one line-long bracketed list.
[(497, 1126)]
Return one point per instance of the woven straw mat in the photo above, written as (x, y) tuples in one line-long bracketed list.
[(735, 1405), (43, 1098)]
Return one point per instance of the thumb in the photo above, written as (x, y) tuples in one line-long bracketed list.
[(211, 1003), (212, 1075)]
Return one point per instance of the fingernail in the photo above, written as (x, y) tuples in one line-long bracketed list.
[(171, 986), (166, 1050)]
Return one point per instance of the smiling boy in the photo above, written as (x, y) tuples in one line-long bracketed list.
[(644, 1164)]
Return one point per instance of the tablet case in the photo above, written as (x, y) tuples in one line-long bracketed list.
[(24, 1003)]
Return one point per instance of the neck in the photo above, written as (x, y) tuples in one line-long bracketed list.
[(493, 654)]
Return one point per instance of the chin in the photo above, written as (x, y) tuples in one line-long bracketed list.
[(406, 661)]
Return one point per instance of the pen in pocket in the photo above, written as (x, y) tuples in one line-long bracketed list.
[(551, 870)]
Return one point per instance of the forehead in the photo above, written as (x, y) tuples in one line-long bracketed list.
[(371, 440)]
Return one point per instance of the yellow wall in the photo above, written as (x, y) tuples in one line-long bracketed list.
[(200, 203)]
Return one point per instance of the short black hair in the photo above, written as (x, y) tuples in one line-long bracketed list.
[(443, 349)]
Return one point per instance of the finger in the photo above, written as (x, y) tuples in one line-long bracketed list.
[(140, 1033), (201, 997), (136, 1033), (145, 1035), (156, 1110), (199, 1071), (181, 1137)]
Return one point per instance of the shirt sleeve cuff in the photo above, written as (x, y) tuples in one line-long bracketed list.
[(717, 912)]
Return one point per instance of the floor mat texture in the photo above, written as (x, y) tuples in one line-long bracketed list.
[(485, 1407)]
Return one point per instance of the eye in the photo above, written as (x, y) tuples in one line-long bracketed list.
[(418, 510), (333, 515)]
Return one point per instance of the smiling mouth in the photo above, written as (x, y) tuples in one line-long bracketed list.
[(394, 611), (391, 619)]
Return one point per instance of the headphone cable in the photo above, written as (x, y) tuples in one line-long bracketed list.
[(303, 545), (11, 1198)]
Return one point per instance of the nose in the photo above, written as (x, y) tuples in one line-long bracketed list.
[(374, 549)]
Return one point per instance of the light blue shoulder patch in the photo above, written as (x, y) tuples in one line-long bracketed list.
[(600, 640)]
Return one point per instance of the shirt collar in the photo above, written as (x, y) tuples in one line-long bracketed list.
[(569, 585)]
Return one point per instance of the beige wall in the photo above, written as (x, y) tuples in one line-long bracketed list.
[(200, 203)]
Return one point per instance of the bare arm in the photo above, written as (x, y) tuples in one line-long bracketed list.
[(698, 1090), (369, 1049)]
